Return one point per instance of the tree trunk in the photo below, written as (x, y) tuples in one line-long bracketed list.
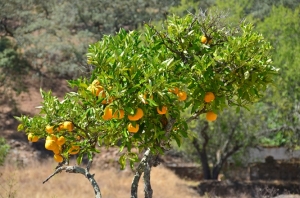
[(216, 170), (202, 152), (205, 166)]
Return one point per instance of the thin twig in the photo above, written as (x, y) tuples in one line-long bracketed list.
[(83, 171), (58, 170), (196, 115)]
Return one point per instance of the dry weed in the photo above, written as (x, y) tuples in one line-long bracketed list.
[(113, 183)]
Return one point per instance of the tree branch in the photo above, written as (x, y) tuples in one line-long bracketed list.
[(145, 166), (195, 115), (204, 135), (231, 152), (83, 171), (140, 169), (229, 139), (148, 190)]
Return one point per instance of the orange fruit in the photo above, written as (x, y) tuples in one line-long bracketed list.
[(56, 150), (61, 140), (133, 129), (138, 115), (51, 145), (108, 113), (68, 126), (60, 127), (51, 137), (182, 95), (95, 88), (175, 90), (49, 129), (211, 116), (95, 82), (162, 110), (119, 114), (106, 100), (58, 158), (32, 138), (144, 100), (74, 150), (209, 96), (203, 39)]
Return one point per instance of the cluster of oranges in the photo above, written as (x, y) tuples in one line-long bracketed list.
[(180, 94), (110, 113), (54, 143)]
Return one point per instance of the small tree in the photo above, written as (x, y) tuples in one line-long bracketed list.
[(141, 83)]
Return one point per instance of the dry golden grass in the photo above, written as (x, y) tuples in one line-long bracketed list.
[(27, 182)]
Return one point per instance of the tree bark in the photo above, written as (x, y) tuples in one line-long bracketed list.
[(140, 169), (216, 171), (145, 166), (203, 158), (148, 190)]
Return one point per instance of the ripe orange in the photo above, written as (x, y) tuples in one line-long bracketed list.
[(175, 90), (32, 138), (60, 127), (182, 95), (51, 137), (58, 158), (56, 150), (61, 140), (144, 100), (68, 126), (95, 82), (74, 150), (108, 113), (133, 129), (138, 115), (211, 116), (51, 145), (119, 114), (49, 129), (95, 88), (209, 96), (203, 39), (162, 110)]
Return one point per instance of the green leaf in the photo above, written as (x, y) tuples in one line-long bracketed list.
[(79, 158), (122, 161)]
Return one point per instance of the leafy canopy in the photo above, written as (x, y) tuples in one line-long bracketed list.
[(144, 69)]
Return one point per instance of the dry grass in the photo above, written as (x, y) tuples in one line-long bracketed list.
[(27, 182)]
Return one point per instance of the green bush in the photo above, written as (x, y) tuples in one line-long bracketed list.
[(4, 148)]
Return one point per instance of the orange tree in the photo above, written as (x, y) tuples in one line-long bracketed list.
[(141, 83)]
